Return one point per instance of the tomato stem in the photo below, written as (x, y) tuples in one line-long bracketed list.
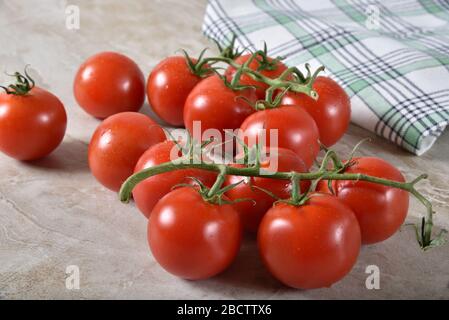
[(133, 180), (323, 173), (230, 51), (296, 189), (218, 182), (300, 84), (291, 79), (23, 85)]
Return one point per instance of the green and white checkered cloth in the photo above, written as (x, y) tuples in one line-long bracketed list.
[(392, 57)]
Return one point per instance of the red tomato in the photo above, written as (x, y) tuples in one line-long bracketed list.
[(252, 213), (117, 145), (380, 209), (278, 69), (148, 192), (191, 238), (31, 125), (168, 86), (296, 130), (109, 83), (309, 246), (331, 112), (217, 106)]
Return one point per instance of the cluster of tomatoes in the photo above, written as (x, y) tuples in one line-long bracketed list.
[(195, 230)]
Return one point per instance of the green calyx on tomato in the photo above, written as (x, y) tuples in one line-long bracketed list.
[(23, 85), (266, 63), (196, 66), (230, 51), (216, 194)]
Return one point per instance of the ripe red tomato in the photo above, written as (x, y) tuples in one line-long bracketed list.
[(296, 130), (168, 86), (331, 112), (117, 145), (191, 238), (309, 246), (261, 87), (251, 213), (148, 192), (108, 83), (380, 209), (217, 106), (31, 125)]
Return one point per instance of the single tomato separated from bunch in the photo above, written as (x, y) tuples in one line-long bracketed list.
[(118, 143), (272, 69), (213, 105), (295, 128), (148, 192), (252, 212), (168, 86), (192, 238), (32, 120), (331, 112), (380, 209), (109, 83), (312, 245)]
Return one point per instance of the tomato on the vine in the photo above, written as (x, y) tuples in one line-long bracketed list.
[(117, 145), (252, 212), (331, 112), (380, 209), (168, 86), (216, 106), (148, 192), (274, 71), (311, 245), (109, 83), (296, 130), (31, 125), (191, 238)]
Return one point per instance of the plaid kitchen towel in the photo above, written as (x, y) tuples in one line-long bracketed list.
[(392, 57)]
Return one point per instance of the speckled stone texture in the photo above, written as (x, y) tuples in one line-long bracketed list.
[(53, 213)]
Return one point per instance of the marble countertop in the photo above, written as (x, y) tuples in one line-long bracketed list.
[(53, 214)]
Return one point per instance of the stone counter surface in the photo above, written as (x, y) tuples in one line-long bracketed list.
[(54, 214)]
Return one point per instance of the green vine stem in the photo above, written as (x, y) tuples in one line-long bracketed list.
[(132, 181), (291, 79), (300, 84), (424, 236), (218, 183)]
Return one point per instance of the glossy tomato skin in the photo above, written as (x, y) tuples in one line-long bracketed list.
[(296, 129), (380, 210), (251, 213), (217, 106), (331, 112), (254, 65), (109, 83), (309, 246), (117, 145), (168, 86), (148, 192), (31, 126), (191, 238)]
